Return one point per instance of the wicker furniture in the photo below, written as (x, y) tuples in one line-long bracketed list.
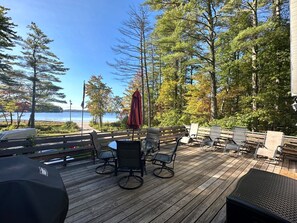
[(262, 196)]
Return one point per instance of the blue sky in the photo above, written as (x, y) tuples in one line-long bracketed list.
[(83, 32)]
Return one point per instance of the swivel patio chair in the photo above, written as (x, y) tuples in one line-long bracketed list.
[(273, 143), (129, 159), (193, 133), (164, 159), (151, 143), (213, 138), (237, 141), (105, 155)]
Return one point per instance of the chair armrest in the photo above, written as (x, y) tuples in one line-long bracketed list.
[(217, 139), (280, 149), (260, 144), (228, 140), (114, 153)]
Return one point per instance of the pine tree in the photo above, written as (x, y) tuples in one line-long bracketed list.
[(131, 53), (42, 68), (8, 38)]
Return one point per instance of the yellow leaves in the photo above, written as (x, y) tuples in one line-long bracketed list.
[(10, 106), (167, 91), (198, 100)]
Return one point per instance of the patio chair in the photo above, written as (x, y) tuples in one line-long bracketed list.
[(213, 138), (237, 141), (105, 155), (163, 160), (193, 133), (129, 159), (151, 143), (273, 143)]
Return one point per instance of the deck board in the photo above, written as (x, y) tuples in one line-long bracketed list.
[(196, 193)]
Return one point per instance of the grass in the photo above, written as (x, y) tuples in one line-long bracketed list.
[(45, 128), (108, 126)]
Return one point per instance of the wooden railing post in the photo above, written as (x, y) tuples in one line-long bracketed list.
[(65, 157)]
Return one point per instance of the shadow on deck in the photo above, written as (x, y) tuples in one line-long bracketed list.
[(197, 192)]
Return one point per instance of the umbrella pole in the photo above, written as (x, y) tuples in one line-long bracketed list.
[(132, 134)]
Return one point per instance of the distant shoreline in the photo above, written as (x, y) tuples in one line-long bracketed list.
[(65, 117), (74, 110)]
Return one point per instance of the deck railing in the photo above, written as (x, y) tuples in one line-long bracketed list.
[(71, 147)]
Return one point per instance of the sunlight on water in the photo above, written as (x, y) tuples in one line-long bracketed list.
[(65, 116)]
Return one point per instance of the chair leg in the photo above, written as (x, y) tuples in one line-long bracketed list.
[(163, 171), (130, 182), (101, 169), (143, 167)]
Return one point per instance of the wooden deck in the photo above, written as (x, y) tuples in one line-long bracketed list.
[(196, 193)]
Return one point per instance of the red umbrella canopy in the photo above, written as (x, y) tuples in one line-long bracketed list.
[(135, 117)]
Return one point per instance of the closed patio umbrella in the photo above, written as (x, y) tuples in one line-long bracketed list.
[(135, 117)]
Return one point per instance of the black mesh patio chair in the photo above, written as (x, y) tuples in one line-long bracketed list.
[(214, 136), (151, 143), (129, 159), (106, 155), (238, 140), (163, 160)]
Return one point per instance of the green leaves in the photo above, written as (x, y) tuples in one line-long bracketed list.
[(235, 52), (100, 98)]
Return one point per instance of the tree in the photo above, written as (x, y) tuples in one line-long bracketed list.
[(116, 105), (171, 49), (132, 53), (100, 96), (42, 69), (205, 17), (8, 37), (254, 58), (194, 26)]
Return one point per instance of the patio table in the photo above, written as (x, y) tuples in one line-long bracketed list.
[(262, 196), (113, 144)]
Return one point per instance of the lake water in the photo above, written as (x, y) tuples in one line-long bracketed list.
[(65, 116)]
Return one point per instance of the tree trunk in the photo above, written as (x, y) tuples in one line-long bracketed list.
[(4, 115), (153, 82), (214, 105), (11, 120), (255, 84), (147, 80), (175, 86), (277, 10), (100, 121), (32, 116), (34, 80), (160, 75), (142, 78), (254, 64), (19, 117)]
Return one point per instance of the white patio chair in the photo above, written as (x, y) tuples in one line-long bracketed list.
[(272, 144), (214, 136), (237, 141), (192, 134)]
